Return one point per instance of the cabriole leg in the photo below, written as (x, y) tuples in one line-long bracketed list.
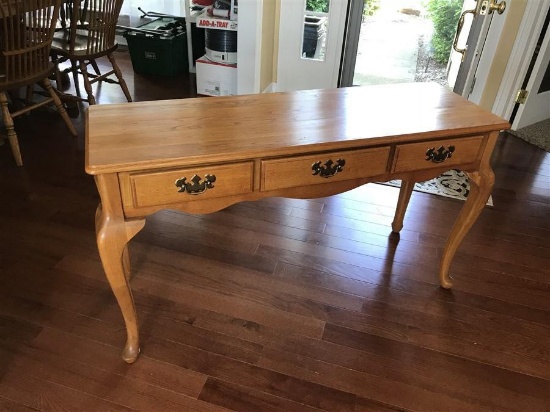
[(481, 185), (113, 234)]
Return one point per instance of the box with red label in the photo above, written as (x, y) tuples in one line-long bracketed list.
[(207, 21), (215, 79)]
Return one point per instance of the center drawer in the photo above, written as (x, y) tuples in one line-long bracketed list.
[(185, 185), (323, 168)]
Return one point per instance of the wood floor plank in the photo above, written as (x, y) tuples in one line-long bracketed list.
[(515, 388), (10, 406), (366, 405), (94, 354), (450, 340), (28, 389), (244, 399), (254, 377), (61, 313), (376, 356), (407, 286), (385, 271), (133, 394), (198, 298), (363, 384)]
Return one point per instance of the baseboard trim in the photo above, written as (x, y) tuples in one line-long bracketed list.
[(272, 88)]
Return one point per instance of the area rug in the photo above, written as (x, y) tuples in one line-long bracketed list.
[(452, 184), (537, 134)]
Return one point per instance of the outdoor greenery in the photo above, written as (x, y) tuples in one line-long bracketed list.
[(322, 6), (370, 7), (444, 15), (317, 5)]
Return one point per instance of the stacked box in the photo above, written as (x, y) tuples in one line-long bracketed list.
[(215, 79)]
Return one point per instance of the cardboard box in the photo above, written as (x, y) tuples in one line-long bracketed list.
[(208, 22), (215, 79)]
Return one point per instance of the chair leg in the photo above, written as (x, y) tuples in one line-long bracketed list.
[(118, 74), (57, 101), (55, 61), (12, 136), (96, 67), (87, 84), (30, 92), (74, 69)]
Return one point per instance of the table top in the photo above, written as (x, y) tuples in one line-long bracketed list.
[(167, 133)]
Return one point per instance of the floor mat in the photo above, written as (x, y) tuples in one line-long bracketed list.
[(452, 184)]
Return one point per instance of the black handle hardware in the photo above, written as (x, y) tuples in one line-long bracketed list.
[(439, 155), (329, 169), (195, 186)]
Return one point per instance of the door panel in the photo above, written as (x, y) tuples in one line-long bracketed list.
[(296, 71)]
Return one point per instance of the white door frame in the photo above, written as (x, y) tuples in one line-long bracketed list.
[(297, 73), (249, 37), (518, 63), (352, 35)]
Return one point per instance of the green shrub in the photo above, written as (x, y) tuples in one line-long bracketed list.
[(370, 6), (317, 5), (444, 15)]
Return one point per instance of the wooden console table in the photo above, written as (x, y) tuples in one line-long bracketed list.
[(202, 155)]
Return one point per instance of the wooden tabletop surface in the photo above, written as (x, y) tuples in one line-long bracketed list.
[(138, 136)]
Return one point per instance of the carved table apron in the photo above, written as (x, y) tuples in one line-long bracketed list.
[(201, 155)]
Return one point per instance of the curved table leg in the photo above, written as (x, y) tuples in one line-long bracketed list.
[(481, 185), (405, 192), (113, 234)]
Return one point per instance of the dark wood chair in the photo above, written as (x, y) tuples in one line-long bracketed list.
[(27, 28), (89, 34)]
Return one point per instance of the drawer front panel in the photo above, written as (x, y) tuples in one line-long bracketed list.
[(186, 185), (330, 167), (429, 155)]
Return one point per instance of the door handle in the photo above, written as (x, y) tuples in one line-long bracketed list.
[(482, 8), (492, 6), (459, 30)]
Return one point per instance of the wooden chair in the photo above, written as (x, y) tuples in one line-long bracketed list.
[(90, 34), (26, 32)]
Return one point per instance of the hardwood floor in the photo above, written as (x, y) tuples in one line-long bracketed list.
[(275, 305)]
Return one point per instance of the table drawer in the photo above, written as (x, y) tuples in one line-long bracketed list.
[(435, 154), (186, 185), (323, 168)]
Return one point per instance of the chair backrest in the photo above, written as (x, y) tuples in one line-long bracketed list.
[(26, 32), (96, 20)]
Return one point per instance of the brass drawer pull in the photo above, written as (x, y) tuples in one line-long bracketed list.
[(196, 187), (439, 155), (329, 169)]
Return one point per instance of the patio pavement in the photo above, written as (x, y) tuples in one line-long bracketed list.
[(388, 47)]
